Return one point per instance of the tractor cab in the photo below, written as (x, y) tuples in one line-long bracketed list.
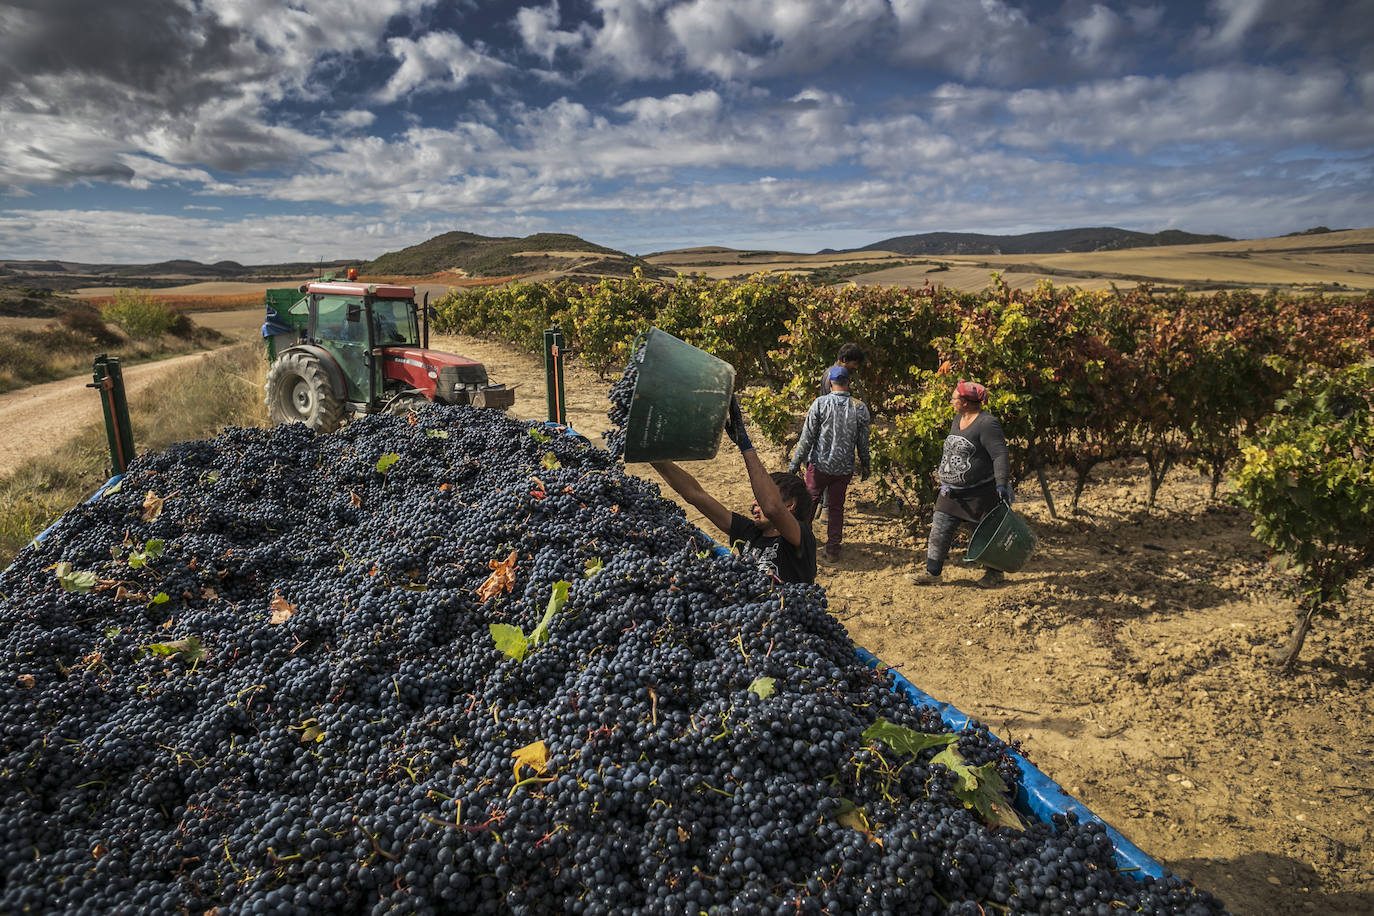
[(359, 348)]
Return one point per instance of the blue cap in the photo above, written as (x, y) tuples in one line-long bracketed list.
[(838, 374)]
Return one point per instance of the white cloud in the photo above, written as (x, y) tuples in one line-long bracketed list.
[(1096, 33), (985, 40), (1234, 21), (354, 118), (739, 38), (633, 41), (538, 30), (438, 60)]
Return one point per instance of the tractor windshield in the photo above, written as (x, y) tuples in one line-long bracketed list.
[(393, 323)]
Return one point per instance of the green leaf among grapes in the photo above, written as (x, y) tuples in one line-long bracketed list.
[(152, 549), (159, 598), (592, 567), (540, 437), (510, 640), (556, 602), (764, 687), (437, 433), (550, 462), (852, 816), (189, 648), (905, 740), (385, 462), (982, 789), (74, 580)]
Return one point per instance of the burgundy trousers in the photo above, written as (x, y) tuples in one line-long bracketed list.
[(834, 486)]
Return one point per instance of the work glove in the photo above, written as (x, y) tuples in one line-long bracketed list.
[(1006, 495), (734, 426)]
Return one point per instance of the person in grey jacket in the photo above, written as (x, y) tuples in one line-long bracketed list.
[(836, 429), (975, 474)]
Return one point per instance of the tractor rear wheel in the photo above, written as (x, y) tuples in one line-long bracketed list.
[(299, 391)]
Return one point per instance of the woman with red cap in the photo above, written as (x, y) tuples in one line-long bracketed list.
[(975, 474)]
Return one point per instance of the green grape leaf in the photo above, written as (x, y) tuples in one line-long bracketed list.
[(764, 687), (556, 602), (852, 816), (437, 433), (550, 462), (74, 580), (510, 640), (386, 461), (592, 567), (189, 648), (981, 788), (540, 437), (905, 740), (159, 598)]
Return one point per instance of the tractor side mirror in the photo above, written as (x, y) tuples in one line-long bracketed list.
[(355, 312)]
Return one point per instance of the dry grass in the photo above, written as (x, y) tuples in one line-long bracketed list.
[(224, 389)]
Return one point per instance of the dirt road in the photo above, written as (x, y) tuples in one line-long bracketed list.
[(36, 420)]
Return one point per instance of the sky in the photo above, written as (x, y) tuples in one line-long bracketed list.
[(263, 131)]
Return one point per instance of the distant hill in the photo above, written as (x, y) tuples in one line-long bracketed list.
[(1095, 239), (486, 256)]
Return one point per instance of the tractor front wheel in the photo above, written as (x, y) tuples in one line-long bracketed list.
[(403, 404), (299, 391)]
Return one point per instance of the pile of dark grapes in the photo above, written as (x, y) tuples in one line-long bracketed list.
[(295, 704), (621, 396)]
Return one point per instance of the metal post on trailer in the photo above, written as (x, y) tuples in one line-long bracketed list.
[(553, 375), (108, 379)]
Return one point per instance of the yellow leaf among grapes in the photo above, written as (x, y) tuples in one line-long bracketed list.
[(281, 609), (502, 578), (152, 506), (535, 756)]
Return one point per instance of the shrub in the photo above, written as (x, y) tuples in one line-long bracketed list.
[(143, 317), (84, 319), (1308, 476)]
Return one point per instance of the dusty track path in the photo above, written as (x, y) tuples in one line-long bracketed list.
[(36, 420)]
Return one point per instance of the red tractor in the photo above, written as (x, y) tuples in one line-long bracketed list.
[(340, 349)]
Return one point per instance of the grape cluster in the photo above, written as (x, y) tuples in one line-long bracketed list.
[(296, 703), (621, 395)]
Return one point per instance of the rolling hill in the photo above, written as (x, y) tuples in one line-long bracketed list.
[(1092, 239), (486, 256)]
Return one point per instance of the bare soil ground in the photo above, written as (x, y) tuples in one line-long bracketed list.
[(1131, 661)]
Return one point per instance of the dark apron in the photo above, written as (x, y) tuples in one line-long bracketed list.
[(969, 504)]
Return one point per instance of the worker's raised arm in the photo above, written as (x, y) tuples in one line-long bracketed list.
[(769, 498), (689, 489)]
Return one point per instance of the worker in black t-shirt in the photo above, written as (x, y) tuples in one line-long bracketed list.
[(773, 535)]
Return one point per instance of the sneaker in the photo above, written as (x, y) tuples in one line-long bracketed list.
[(992, 578), (922, 578)]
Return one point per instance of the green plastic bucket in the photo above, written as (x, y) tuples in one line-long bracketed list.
[(680, 401), (1001, 540)]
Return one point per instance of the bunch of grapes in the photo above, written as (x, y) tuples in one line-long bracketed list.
[(451, 662), (621, 396)]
